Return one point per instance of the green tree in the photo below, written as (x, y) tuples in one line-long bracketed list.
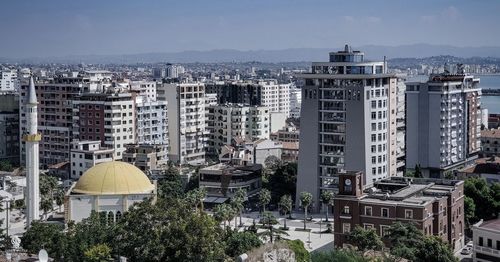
[(469, 211), (98, 253), (223, 213), (270, 232), (283, 182), (237, 243), (417, 173), (338, 255), (170, 185), (238, 202), (264, 198), (6, 166), (405, 239), (365, 239), (301, 253), (482, 195), (48, 236), (286, 206), (327, 200), (46, 204), (305, 201), (433, 249)]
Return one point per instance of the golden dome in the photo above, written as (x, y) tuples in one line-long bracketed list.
[(113, 178)]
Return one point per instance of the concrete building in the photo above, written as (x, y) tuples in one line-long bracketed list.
[(151, 121), (108, 117), (174, 71), (487, 168), (221, 181), (486, 241), (109, 189), (264, 148), (443, 120), (144, 88), (186, 121), (55, 117), (295, 102), (490, 142), (146, 157), (288, 133), (227, 121), (348, 122), (32, 139), (85, 155), (435, 206), (8, 80), (9, 127)]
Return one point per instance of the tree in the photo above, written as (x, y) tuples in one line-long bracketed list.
[(283, 182), (483, 197), (264, 198), (305, 201), (170, 186), (238, 201), (301, 253), (405, 239), (98, 253), (238, 243), (417, 173), (365, 239), (222, 213), (433, 249), (270, 232), (272, 162), (46, 205), (286, 206), (469, 210), (6, 166), (338, 255), (195, 197), (48, 236), (327, 199)]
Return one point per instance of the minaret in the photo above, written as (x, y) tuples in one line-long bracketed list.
[(32, 139)]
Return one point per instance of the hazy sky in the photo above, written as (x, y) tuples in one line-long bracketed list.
[(70, 27)]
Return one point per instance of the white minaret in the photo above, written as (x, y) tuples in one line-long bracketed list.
[(32, 138)]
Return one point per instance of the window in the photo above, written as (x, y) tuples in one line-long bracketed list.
[(408, 214), (368, 226), (490, 243), (480, 241), (384, 230), (346, 228), (346, 210), (368, 211), (385, 212)]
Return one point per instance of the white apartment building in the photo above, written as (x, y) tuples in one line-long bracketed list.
[(8, 80), (109, 118), (173, 71), (145, 88), (186, 121), (86, 154), (443, 120), (486, 241), (225, 122), (348, 122), (295, 102), (275, 96), (151, 121)]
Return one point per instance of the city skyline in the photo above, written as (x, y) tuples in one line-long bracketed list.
[(90, 28)]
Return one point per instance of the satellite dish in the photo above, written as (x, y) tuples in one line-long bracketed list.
[(43, 256)]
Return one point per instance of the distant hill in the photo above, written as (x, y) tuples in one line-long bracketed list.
[(285, 55)]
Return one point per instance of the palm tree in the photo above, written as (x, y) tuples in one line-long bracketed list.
[(264, 198), (286, 206), (220, 214), (238, 201), (305, 201), (327, 199), (269, 231)]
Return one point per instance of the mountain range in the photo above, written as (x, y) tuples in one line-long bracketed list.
[(375, 52)]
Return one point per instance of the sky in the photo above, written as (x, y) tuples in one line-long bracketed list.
[(33, 28)]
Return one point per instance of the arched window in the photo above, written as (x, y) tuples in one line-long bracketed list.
[(118, 216), (111, 218)]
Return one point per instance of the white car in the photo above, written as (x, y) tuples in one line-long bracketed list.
[(466, 251)]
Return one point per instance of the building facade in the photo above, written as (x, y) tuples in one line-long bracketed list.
[(434, 206), (348, 122), (151, 121), (186, 121), (9, 127), (146, 157), (8, 80), (486, 241), (490, 142), (443, 120), (85, 155)]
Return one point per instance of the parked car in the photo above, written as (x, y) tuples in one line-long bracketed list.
[(466, 251)]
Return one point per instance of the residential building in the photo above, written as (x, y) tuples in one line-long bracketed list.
[(221, 181), (348, 122), (174, 71), (144, 88), (290, 151), (186, 121), (227, 121), (486, 241), (55, 117), (8, 80), (86, 154), (288, 133), (151, 121), (490, 142), (443, 120), (264, 148), (146, 157), (107, 117), (295, 102), (487, 168), (434, 206), (9, 127)]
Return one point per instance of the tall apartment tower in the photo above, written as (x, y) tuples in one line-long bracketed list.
[(348, 122), (186, 121), (32, 139), (444, 123)]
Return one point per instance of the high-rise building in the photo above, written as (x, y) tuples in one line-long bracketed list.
[(443, 119), (144, 88), (86, 154), (228, 121), (295, 102), (8, 80), (55, 118), (9, 127), (32, 138), (186, 121), (151, 121), (146, 157), (108, 117), (348, 122)]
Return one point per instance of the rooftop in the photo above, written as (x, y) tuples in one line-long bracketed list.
[(490, 224), (491, 133)]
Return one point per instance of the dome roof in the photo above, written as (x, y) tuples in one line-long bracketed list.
[(113, 178)]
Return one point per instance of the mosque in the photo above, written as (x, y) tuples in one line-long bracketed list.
[(109, 188)]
